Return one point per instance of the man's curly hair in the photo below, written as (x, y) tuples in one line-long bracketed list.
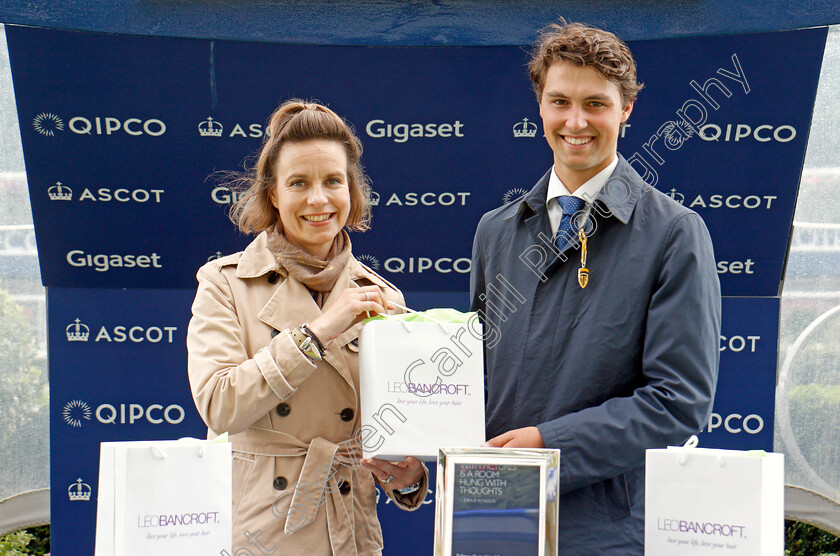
[(584, 46)]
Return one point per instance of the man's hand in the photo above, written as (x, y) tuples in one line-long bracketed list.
[(528, 437)]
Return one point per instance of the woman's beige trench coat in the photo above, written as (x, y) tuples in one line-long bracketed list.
[(297, 483)]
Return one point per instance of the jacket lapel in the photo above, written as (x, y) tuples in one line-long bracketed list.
[(291, 304)]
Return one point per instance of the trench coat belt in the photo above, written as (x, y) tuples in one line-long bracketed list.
[(317, 485)]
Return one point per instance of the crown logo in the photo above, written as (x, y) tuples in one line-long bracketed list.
[(209, 128), (677, 196), (512, 194), (75, 411), (369, 260), (77, 332), (79, 491), (47, 124), (525, 128), (217, 255), (60, 192), (374, 199)]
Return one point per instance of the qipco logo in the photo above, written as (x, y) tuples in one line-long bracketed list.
[(419, 265), (112, 126), (129, 414), (735, 423)]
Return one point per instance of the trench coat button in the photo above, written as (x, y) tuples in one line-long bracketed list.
[(283, 409), (344, 488), (280, 483), (273, 276), (274, 332), (346, 414)]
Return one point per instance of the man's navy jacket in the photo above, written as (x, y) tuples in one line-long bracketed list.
[(628, 363)]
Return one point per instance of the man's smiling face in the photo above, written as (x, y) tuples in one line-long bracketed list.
[(582, 113)]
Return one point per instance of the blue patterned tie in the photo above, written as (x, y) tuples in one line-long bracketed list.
[(567, 230)]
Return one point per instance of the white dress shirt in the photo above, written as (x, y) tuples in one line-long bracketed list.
[(588, 191)]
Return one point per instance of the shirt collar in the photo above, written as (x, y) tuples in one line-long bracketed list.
[(588, 191), (619, 198)]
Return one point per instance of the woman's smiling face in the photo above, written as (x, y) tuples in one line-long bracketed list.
[(312, 193)]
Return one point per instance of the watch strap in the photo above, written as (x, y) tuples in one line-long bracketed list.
[(306, 344)]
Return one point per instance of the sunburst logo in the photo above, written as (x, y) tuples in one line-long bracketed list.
[(369, 260), (47, 123), (674, 134), (76, 411), (512, 194)]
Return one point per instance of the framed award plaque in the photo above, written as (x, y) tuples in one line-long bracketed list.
[(497, 502)]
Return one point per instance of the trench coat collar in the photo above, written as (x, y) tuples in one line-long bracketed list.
[(256, 260), (291, 303), (618, 197)]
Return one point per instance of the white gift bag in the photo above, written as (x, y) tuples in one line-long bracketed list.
[(422, 387), (707, 501), (167, 498)]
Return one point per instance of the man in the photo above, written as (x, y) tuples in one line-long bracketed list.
[(600, 301)]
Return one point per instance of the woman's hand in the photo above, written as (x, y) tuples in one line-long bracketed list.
[(401, 474), (352, 306)]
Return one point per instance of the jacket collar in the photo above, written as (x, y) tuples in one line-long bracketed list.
[(256, 260), (622, 191), (291, 303), (619, 195)]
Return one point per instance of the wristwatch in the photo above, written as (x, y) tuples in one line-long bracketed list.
[(409, 489), (308, 343)]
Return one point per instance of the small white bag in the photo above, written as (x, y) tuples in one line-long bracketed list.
[(422, 386), (707, 501), (164, 498)]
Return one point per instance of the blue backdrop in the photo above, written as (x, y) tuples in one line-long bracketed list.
[(123, 136)]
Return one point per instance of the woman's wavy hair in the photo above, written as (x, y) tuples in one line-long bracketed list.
[(296, 121), (584, 46)]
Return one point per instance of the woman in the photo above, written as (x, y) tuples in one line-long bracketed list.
[(273, 348)]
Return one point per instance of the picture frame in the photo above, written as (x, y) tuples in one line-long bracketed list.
[(497, 501)]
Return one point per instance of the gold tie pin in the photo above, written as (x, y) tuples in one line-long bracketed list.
[(583, 272)]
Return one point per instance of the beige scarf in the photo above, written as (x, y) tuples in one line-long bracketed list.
[(317, 275)]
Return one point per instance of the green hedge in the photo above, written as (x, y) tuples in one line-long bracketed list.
[(801, 539)]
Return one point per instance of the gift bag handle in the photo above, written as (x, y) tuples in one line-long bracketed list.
[(407, 310), (161, 455), (689, 446)]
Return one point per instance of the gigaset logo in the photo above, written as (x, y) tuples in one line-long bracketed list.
[(104, 262), (735, 267), (223, 195), (402, 132)]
